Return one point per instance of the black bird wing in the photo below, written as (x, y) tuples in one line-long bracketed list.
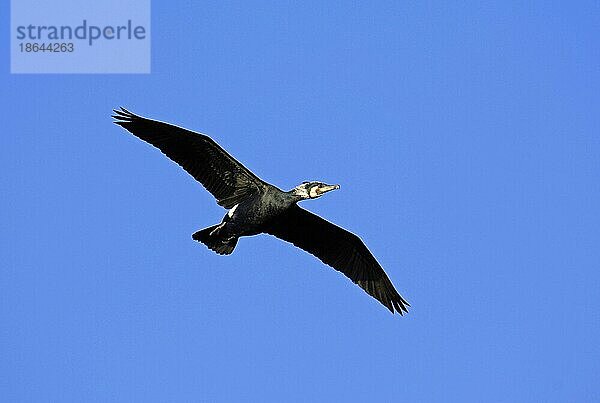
[(339, 249), (225, 178)]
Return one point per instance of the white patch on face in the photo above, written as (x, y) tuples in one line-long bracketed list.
[(313, 192), (301, 190), (230, 212)]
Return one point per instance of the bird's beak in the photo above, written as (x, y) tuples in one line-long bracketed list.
[(326, 188)]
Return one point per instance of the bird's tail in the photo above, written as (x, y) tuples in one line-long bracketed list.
[(222, 246)]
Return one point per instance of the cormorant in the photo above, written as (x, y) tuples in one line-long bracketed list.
[(258, 207)]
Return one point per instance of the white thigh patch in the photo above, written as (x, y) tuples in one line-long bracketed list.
[(230, 212)]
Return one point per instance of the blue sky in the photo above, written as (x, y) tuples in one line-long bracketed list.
[(465, 139)]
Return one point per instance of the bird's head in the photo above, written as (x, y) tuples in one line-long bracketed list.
[(313, 190)]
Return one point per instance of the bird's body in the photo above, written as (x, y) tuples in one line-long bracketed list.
[(256, 207), (247, 218), (250, 216)]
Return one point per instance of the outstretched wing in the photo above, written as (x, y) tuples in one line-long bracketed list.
[(225, 178), (341, 250)]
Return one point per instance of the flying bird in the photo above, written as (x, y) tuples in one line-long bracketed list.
[(257, 207)]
